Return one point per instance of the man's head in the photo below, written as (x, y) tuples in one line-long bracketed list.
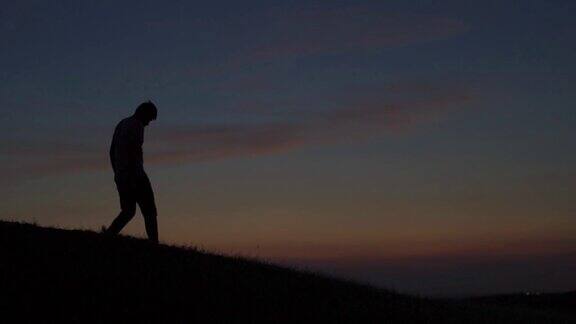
[(146, 112)]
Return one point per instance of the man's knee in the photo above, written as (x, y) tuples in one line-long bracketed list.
[(148, 208), (128, 212)]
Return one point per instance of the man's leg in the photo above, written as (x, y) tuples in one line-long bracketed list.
[(147, 205), (127, 205), (120, 221)]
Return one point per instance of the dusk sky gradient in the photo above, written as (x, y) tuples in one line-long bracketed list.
[(424, 145)]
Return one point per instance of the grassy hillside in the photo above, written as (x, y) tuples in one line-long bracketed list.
[(81, 276)]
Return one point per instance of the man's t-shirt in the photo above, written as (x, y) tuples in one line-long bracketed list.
[(126, 147)]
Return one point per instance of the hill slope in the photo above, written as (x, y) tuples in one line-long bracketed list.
[(81, 276)]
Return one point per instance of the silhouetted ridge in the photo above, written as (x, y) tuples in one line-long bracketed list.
[(81, 276)]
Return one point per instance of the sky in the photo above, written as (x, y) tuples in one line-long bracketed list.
[(425, 146)]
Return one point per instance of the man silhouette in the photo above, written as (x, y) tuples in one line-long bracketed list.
[(131, 181)]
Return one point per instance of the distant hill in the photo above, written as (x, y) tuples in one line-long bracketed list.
[(558, 302), (55, 275)]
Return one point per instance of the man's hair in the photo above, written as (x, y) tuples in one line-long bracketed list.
[(147, 109)]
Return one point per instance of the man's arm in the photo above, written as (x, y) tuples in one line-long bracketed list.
[(126, 147), (139, 142), (112, 155), (133, 146)]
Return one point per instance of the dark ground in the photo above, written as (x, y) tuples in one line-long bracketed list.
[(54, 275)]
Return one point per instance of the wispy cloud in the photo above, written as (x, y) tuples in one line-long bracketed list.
[(320, 30), (216, 142), (288, 33), (356, 118)]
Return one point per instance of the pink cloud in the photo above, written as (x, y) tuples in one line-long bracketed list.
[(216, 142), (358, 118)]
